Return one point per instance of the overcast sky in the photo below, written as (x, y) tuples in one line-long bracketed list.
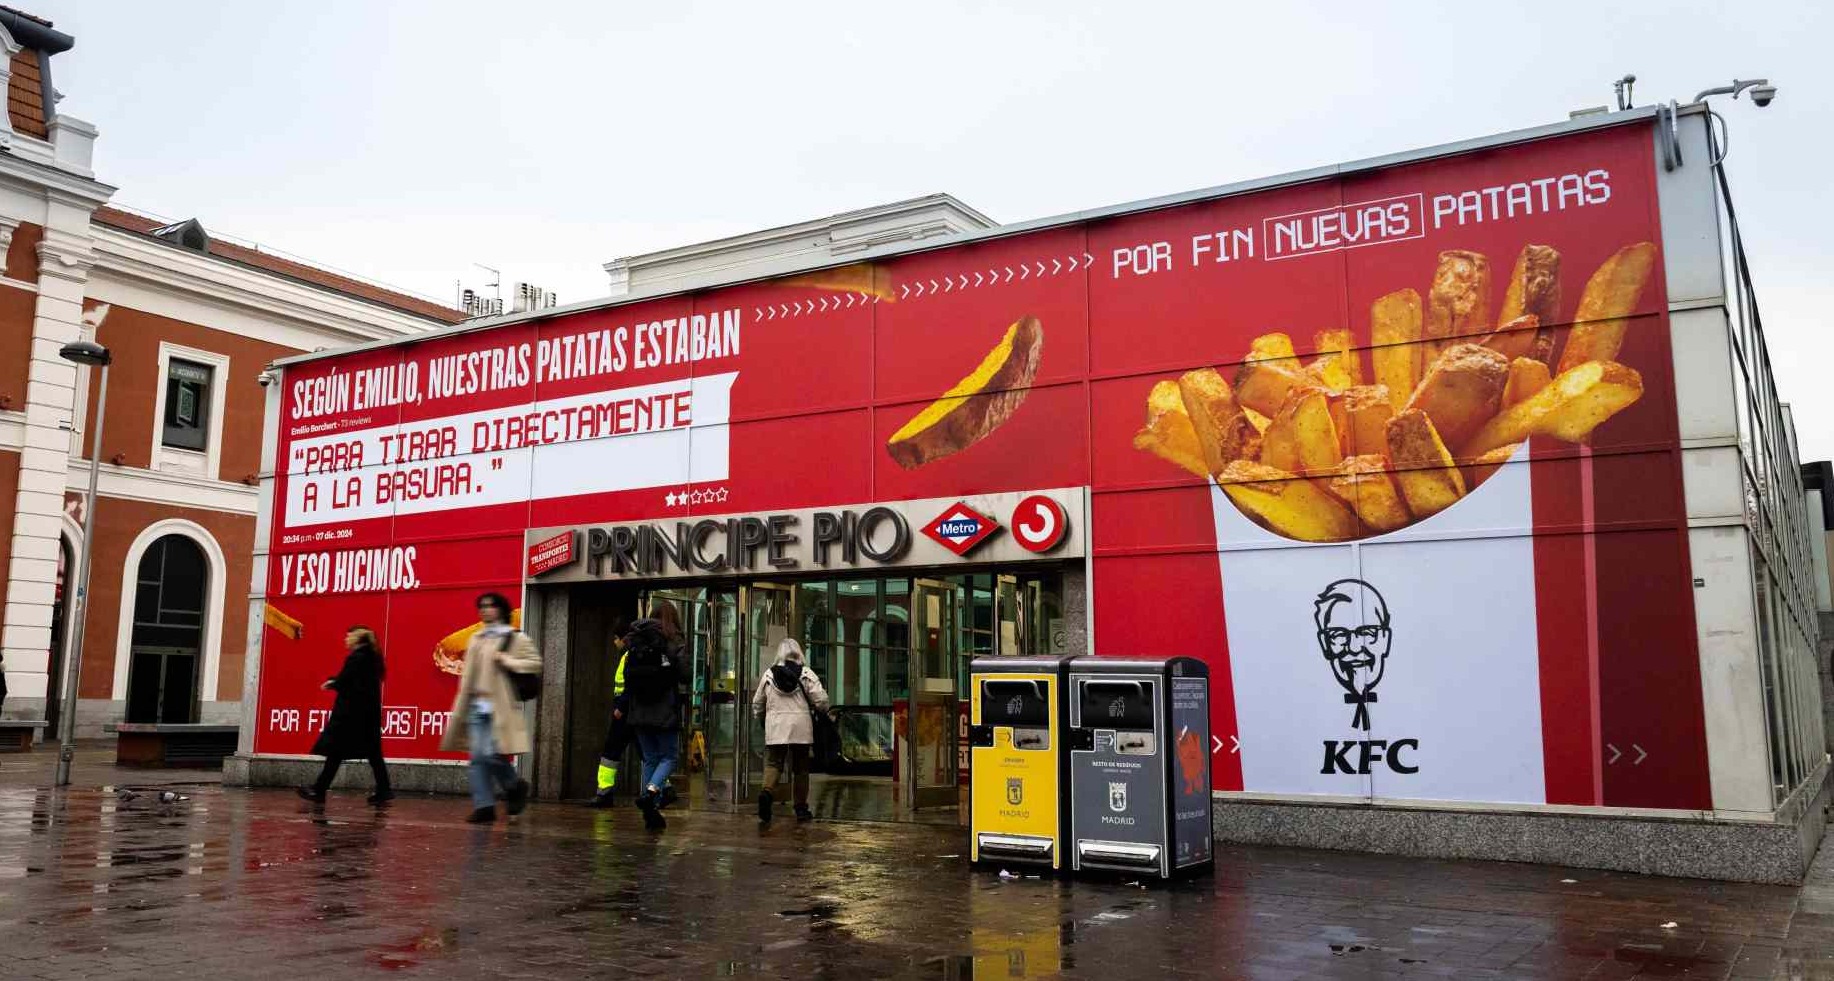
[(407, 141)]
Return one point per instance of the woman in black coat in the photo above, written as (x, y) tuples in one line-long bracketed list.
[(354, 731)]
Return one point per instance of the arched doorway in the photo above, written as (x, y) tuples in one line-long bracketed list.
[(171, 591)]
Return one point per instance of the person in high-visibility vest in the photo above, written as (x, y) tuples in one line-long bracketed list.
[(618, 734)]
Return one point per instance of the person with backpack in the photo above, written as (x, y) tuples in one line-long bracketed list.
[(652, 679), (354, 730), (486, 720), (788, 696)]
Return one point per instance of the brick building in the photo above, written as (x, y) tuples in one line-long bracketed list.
[(191, 320)]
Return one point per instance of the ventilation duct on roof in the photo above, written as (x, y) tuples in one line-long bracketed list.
[(187, 234)]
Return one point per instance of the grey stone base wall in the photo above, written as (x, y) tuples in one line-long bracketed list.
[(297, 771), (94, 715), (1742, 851)]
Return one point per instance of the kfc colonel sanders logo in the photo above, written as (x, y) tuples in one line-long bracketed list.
[(1354, 635)]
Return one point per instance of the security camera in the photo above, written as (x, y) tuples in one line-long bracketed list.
[(265, 379), (1762, 94)]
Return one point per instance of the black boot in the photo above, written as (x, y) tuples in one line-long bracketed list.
[(517, 799), (312, 794), (803, 813), (764, 806), (604, 798), (652, 815), (483, 815), (381, 797)]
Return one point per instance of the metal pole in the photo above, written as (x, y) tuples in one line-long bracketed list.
[(73, 667)]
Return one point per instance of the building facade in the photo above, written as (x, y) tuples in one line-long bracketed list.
[(1462, 469), (191, 321)]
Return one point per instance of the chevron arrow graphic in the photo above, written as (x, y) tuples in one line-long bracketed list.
[(1641, 754), (1615, 753), (1009, 274)]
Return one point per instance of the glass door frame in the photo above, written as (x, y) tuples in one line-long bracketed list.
[(933, 688)]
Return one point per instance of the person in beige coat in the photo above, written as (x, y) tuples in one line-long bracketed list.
[(487, 720), (787, 696)]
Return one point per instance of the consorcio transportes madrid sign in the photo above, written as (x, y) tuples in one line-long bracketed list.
[(1450, 378)]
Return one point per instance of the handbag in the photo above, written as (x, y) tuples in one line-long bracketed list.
[(526, 685)]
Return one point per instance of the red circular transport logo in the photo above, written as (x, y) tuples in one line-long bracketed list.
[(1039, 523), (960, 528)]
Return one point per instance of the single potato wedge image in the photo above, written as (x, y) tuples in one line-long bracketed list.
[(1364, 483), (1223, 431), (1295, 507), (978, 404), (1429, 481), (1569, 408), (861, 277), (449, 653), (1460, 390)]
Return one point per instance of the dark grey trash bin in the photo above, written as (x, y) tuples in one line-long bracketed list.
[(1140, 748)]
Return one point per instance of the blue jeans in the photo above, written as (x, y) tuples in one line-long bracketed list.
[(488, 770), (659, 747)]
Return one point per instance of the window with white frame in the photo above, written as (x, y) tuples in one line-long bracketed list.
[(187, 410), (188, 433)]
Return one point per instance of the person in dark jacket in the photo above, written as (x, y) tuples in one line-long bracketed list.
[(652, 683), (354, 730)]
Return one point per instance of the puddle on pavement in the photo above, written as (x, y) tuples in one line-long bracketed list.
[(818, 911), (426, 944)]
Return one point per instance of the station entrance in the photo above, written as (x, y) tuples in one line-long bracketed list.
[(892, 652)]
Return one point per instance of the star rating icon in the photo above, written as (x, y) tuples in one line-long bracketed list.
[(711, 495)]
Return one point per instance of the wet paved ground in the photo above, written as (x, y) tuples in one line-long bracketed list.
[(240, 884)]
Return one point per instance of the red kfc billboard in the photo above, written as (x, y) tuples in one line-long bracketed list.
[(1394, 452)]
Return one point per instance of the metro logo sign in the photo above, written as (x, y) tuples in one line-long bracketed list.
[(960, 528)]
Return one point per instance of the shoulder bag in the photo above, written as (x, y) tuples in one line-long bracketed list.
[(525, 685)]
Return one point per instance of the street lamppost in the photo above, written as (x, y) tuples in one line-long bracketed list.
[(94, 355)]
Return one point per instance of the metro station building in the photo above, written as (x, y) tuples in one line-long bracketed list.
[(1463, 470)]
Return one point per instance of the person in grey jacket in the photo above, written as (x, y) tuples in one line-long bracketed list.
[(788, 695)]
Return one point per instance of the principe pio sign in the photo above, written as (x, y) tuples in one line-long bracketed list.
[(875, 535)]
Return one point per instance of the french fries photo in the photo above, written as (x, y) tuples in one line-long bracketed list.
[(1341, 348), (1458, 303), (1461, 390), (1394, 329), (1366, 411), (1302, 437), (1533, 291), (1336, 448), (1363, 482), (1526, 377), (1604, 308), (1287, 505), (1223, 433), (1484, 467), (1430, 482), (1569, 408), (1168, 431), (1263, 385)]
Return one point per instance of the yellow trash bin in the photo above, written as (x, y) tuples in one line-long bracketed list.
[(1016, 763)]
